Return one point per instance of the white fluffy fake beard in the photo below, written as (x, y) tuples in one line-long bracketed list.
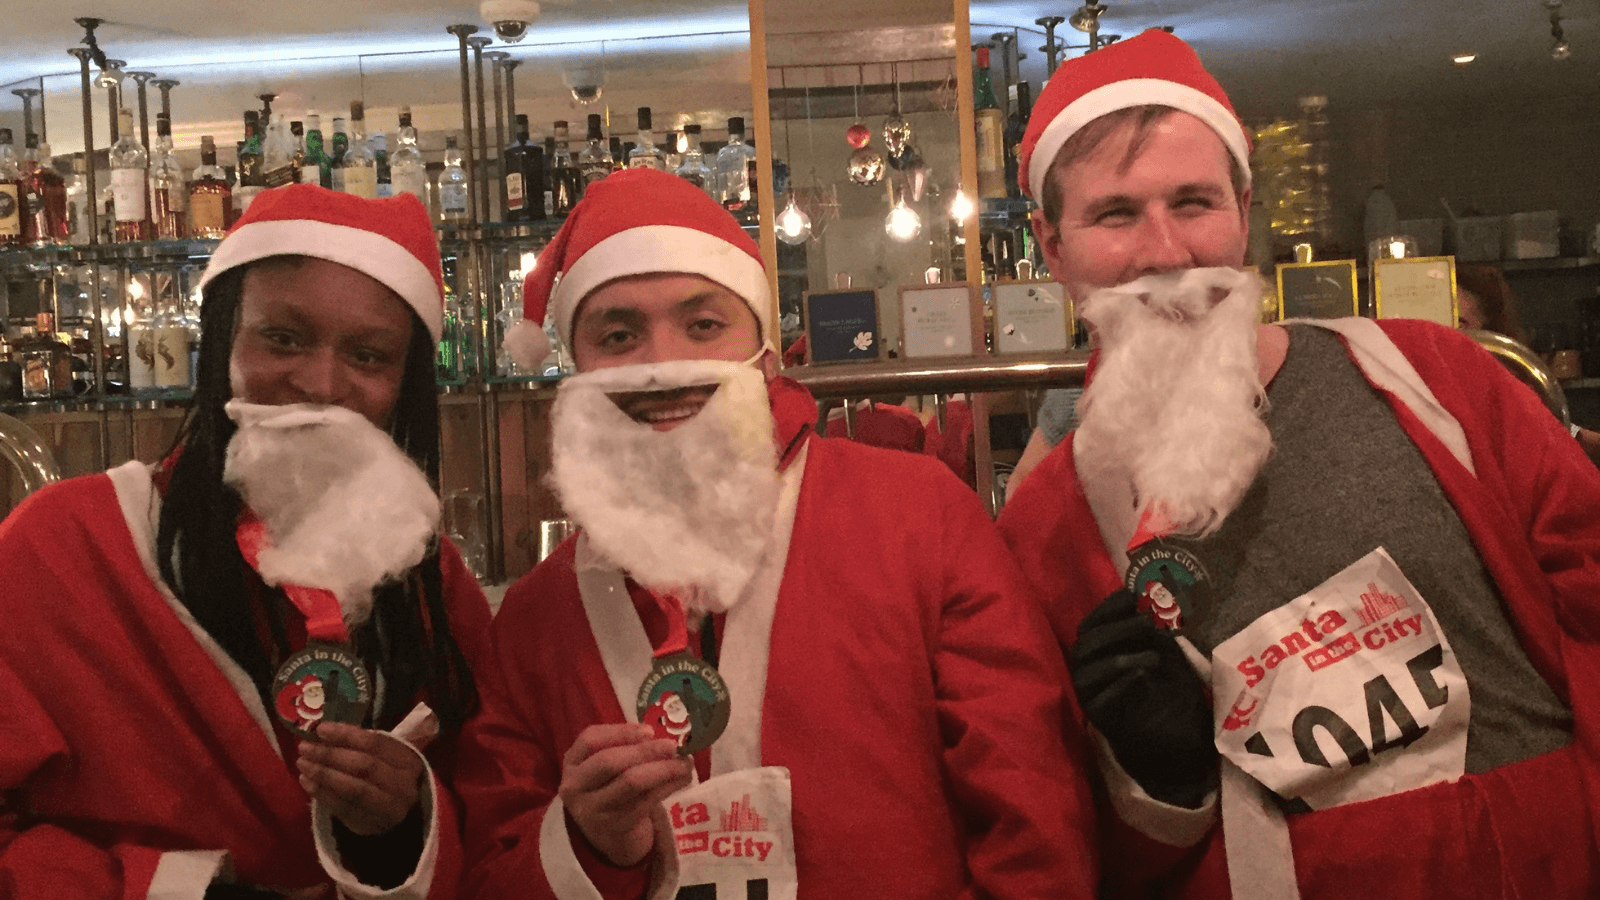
[(345, 508), (1175, 406), (688, 511)]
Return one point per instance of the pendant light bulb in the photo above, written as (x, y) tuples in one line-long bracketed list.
[(794, 226), (903, 223), (961, 208)]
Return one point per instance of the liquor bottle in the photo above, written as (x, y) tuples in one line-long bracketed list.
[(297, 135), (566, 185), (314, 168), (167, 189), (277, 154), (340, 145), (139, 331), (10, 194), (549, 176), (78, 202), (990, 124), (693, 169), (408, 171), (129, 171), (733, 168), (44, 197), (1016, 127), (594, 161), (452, 185), (46, 361), (524, 167), (210, 197), (645, 154), (249, 175), (380, 158), (359, 172), (619, 152), (170, 346)]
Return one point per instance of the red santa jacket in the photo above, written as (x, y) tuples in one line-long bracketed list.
[(1532, 506)]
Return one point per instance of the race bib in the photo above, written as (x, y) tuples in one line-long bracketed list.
[(1347, 693), (734, 837)]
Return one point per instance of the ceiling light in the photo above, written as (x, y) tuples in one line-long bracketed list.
[(794, 226), (961, 206), (1560, 50), (1462, 59), (902, 223)]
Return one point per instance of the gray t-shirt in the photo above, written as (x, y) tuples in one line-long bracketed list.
[(1342, 480), (1058, 413)]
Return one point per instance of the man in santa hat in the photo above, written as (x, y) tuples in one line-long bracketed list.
[(160, 619), (892, 700), (1385, 681)]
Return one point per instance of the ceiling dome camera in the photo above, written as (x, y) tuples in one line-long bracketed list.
[(511, 18)]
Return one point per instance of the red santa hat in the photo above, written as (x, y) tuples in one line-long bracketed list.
[(635, 222), (390, 239), (1154, 68)]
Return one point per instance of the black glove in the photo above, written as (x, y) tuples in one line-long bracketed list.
[(1139, 690)]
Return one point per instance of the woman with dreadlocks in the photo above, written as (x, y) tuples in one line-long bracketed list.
[(219, 674)]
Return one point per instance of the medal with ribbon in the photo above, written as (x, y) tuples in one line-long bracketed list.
[(684, 699), (1165, 577), (325, 682)]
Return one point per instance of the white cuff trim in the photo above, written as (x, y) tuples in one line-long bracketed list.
[(185, 874), (1174, 826), (421, 880), (567, 879)]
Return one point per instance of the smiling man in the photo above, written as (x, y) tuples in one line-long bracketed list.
[(1328, 588), (888, 701)]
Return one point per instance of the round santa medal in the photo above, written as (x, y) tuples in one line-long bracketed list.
[(322, 683), (1167, 580), (684, 700)]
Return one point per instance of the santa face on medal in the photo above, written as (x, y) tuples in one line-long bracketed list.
[(321, 684), (1165, 579), (684, 701)]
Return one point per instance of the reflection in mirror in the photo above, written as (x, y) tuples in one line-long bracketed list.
[(867, 150)]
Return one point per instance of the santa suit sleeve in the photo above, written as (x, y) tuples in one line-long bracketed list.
[(46, 859), (1014, 751), (508, 770), (437, 871)]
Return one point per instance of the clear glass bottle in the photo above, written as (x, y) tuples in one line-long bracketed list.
[(167, 189), (46, 361), (594, 161), (645, 154), (277, 154), (44, 197), (566, 185), (10, 193), (524, 172), (314, 167), (693, 169), (338, 147), (170, 346), (78, 202), (210, 195), (733, 168), (408, 171), (360, 166), (139, 330), (129, 171), (452, 185)]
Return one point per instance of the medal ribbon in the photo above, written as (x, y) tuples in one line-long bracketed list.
[(320, 606), (677, 639), (1152, 525)]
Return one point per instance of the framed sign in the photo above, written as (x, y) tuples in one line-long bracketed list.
[(1422, 287), (1031, 317), (940, 320), (1317, 290), (842, 326)]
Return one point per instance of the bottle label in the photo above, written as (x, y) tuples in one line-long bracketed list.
[(127, 192), (280, 176), (514, 192), (10, 211), (336, 178), (176, 197), (415, 182), (361, 181), (209, 213), (142, 357), (991, 146), (453, 199), (311, 174), (171, 356)]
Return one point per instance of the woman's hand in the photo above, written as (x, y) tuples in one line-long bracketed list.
[(611, 779), (369, 780)]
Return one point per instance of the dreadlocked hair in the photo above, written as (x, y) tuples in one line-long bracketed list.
[(407, 640)]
